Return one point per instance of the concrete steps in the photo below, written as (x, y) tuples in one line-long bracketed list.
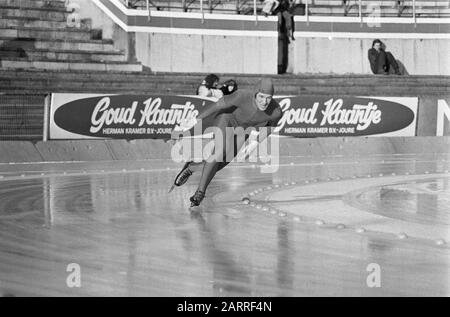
[(34, 34), (46, 33), (59, 4), (25, 22), (141, 83), (154, 88), (44, 13), (98, 46), (64, 55), (51, 64)]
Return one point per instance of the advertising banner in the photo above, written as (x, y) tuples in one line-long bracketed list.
[(90, 116), (308, 116)]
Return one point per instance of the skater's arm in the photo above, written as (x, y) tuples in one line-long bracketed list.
[(257, 138), (268, 128), (271, 125), (268, 131), (224, 103)]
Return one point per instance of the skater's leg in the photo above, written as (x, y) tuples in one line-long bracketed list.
[(238, 143), (223, 154), (188, 169), (211, 168)]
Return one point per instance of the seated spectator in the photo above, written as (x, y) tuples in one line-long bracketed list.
[(381, 62), (210, 87)]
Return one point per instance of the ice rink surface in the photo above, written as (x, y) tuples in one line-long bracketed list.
[(315, 227)]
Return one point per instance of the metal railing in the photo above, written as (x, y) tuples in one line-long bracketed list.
[(21, 116), (356, 8), (239, 7)]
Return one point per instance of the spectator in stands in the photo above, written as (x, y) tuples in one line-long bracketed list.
[(283, 11), (210, 87), (269, 7), (381, 62)]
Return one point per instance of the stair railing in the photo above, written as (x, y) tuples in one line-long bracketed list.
[(254, 12), (307, 11), (360, 11), (201, 10)]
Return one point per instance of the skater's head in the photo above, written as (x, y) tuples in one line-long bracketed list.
[(376, 44), (264, 93)]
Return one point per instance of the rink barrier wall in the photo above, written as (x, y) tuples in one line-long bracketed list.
[(111, 150), (19, 151), (77, 150), (421, 145), (138, 149), (107, 150)]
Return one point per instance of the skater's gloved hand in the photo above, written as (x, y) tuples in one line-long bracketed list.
[(229, 87), (187, 124)]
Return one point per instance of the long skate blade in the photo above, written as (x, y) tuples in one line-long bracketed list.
[(171, 188)]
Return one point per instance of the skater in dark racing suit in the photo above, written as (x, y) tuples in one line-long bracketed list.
[(244, 109)]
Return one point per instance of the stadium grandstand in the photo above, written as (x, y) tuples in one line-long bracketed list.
[(76, 46)]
